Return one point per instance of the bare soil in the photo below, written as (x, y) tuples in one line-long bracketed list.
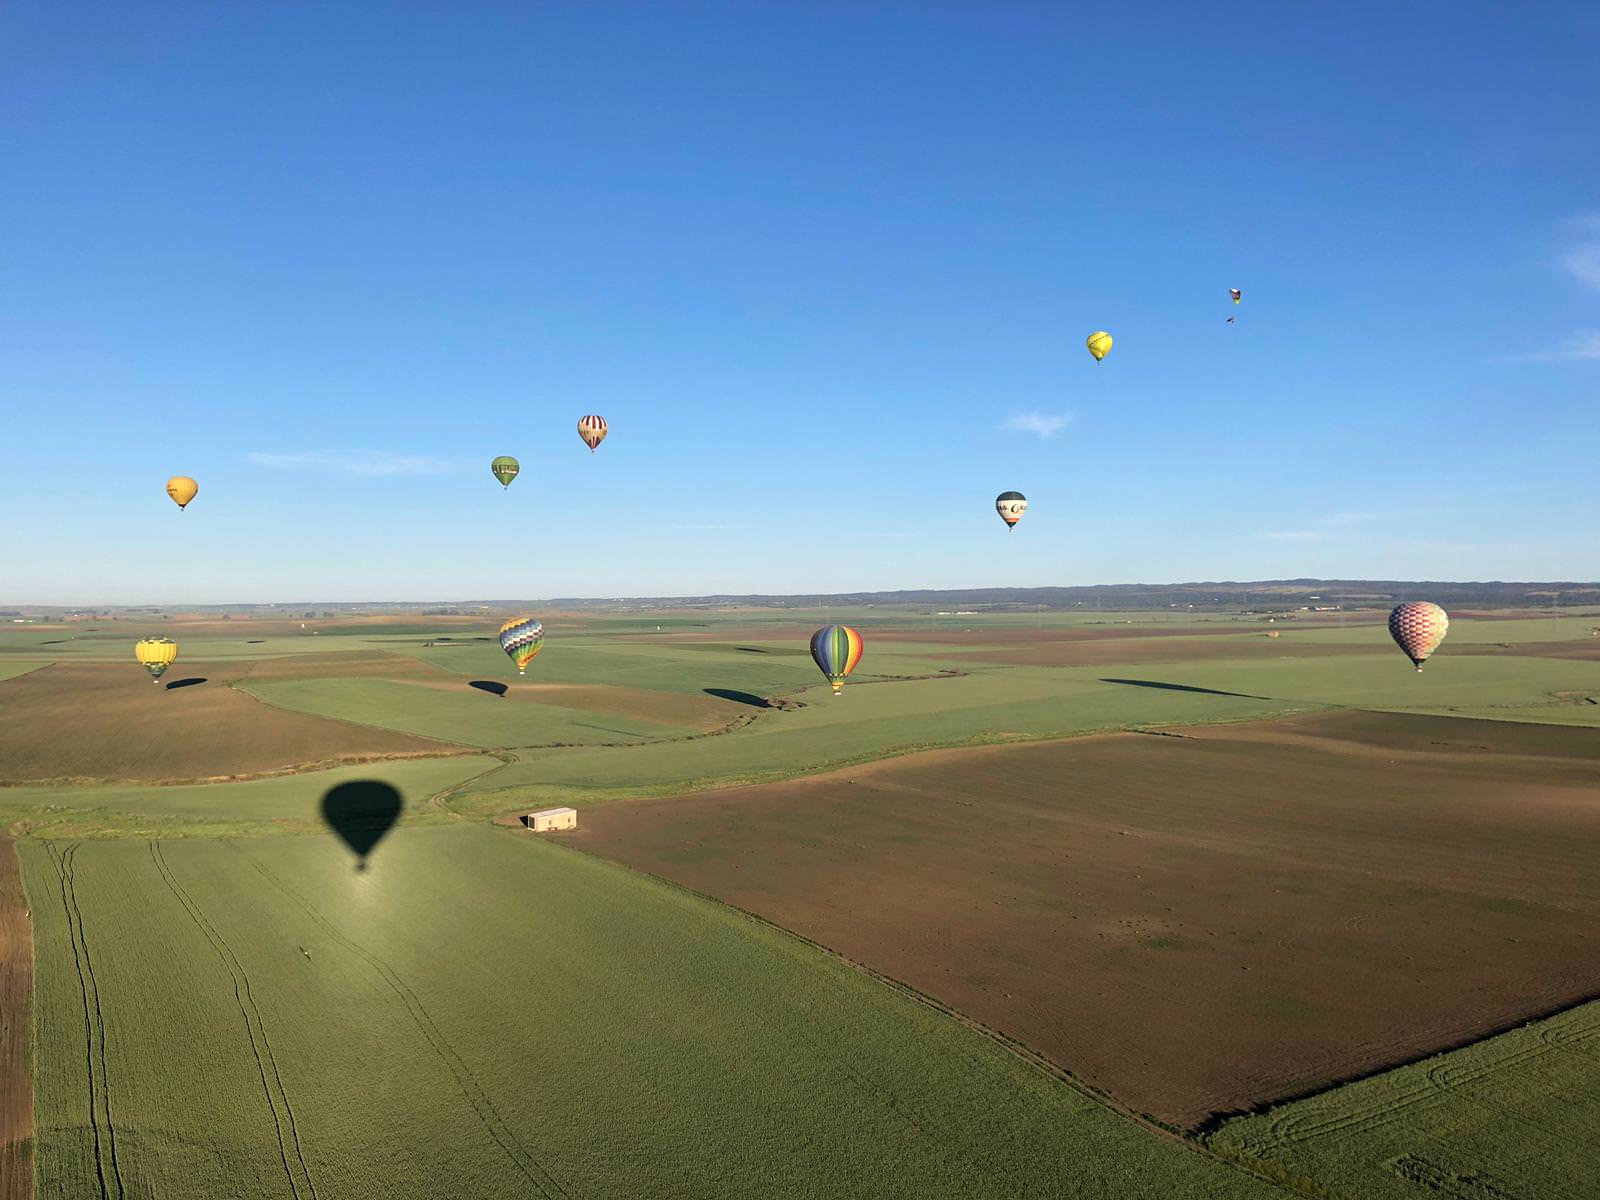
[(16, 1015), (109, 721), (1196, 922)]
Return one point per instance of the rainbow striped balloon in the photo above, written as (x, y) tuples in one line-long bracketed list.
[(837, 650), (522, 638), (1418, 627)]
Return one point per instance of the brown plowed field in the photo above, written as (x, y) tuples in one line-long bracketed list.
[(16, 1005), (1194, 923), (685, 710), (103, 721), (1583, 650)]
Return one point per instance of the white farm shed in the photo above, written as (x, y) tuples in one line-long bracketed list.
[(547, 819)]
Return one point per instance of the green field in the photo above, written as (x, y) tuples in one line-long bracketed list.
[(1512, 1116), (481, 1014), (484, 1014)]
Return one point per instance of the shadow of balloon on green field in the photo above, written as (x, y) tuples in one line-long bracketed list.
[(1182, 687), (361, 812)]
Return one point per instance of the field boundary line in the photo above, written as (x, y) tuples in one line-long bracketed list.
[(476, 1096), (1019, 1050), (17, 975), (255, 1027)]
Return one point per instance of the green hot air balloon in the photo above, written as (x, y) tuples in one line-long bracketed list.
[(505, 469)]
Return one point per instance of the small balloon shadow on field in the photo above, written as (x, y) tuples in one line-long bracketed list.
[(1182, 687), (361, 812), (749, 698), (488, 685), (192, 681)]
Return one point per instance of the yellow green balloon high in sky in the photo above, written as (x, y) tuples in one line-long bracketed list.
[(505, 469)]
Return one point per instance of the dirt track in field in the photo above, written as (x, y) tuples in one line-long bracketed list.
[(16, 1014), (104, 721), (1195, 923)]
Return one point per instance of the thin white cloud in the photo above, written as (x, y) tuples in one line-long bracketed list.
[(1295, 535), (356, 462), (711, 528), (1582, 259), (1040, 424), (1583, 346)]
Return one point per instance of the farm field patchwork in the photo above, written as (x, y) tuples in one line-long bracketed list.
[(466, 1018), (1513, 1116), (1196, 923)]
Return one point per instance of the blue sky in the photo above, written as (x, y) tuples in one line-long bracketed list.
[(826, 269)]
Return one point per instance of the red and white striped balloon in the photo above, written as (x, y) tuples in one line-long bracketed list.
[(592, 429), (1418, 627)]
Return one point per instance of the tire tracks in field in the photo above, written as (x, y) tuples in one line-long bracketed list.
[(105, 1146), (476, 1096), (290, 1151)]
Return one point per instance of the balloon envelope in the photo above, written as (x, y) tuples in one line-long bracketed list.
[(1236, 294), (361, 812), (1418, 627), (505, 469), (182, 489), (592, 429), (1099, 344), (522, 638), (836, 649), (156, 655), (1011, 506)]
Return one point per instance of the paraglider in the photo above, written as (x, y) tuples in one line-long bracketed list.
[(1418, 627), (505, 469), (836, 650), (1099, 344), (522, 638), (156, 655), (182, 489), (1011, 506), (593, 429)]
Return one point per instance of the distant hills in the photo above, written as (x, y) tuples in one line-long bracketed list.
[(1217, 596)]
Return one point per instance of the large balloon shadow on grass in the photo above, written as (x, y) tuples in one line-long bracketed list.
[(361, 812), (488, 685), (1182, 687), (750, 698)]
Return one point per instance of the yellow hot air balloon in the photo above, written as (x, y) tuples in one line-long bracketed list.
[(156, 655), (1099, 344), (182, 489)]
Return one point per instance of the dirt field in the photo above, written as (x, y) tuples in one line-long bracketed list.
[(98, 721), (16, 1003), (1124, 651), (1194, 923), (703, 713)]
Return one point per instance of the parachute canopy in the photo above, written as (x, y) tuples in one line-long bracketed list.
[(1011, 506), (182, 489), (1418, 627), (522, 638), (156, 655), (836, 650), (505, 469), (1099, 344), (592, 429)]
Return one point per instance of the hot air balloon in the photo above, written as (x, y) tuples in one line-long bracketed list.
[(837, 650), (1418, 627), (1099, 344), (1011, 506), (182, 489), (1272, 633), (522, 638), (1236, 294), (505, 469), (592, 429), (156, 655)]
